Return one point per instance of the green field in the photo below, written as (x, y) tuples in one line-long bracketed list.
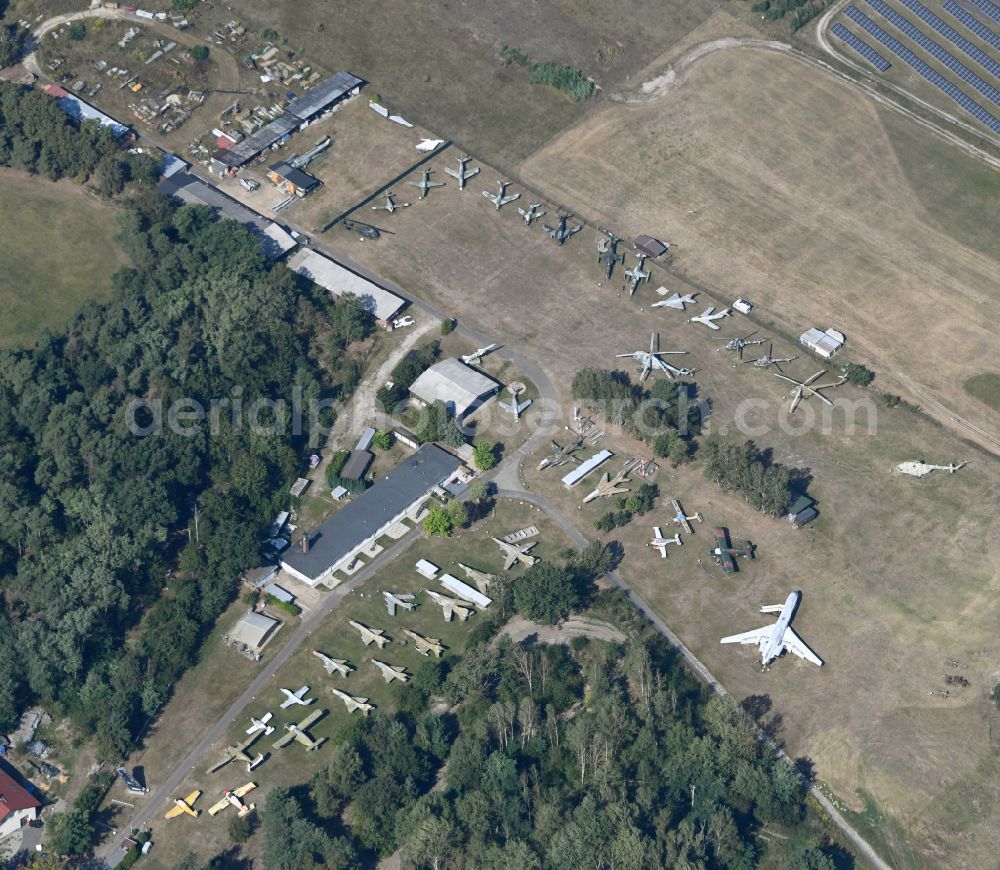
[(58, 243), (986, 388)]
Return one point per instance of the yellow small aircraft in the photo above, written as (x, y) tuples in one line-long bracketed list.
[(231, 797), (185, 805)]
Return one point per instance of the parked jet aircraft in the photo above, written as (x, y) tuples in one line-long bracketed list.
[(608, 486), (531, 213), (239, 753), (231, 798), (561, 232), (425, 182), (462, 174), (514, 407), (391, 672), (184, 806), (352, 703), (561, 455), (501, 199), (339, 666), (260, 724), (660, 543), (392, 601), (775, 639), (426, 645), (300, 733), (607, 253), (390, 203), (676, 301), (452, 606), (708, 318), (297, 697), (476, 357), (516, 553), (370, 635), (480, 578), (636, 274), (651, 360)]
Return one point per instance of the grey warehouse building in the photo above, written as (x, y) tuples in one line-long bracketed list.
[(402, 491)]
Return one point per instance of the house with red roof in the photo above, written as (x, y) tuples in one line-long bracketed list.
[(17, 806)]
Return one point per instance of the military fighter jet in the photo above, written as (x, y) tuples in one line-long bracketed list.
[(480, 578), (425, 182), (300, 733), (238, 753), (231, 798), (660, 543), (560, 232), (426, 645), (516, 553), (332, 666), (530, 213), (676, 301), (636, 274), (298, 697), (390, 203), (476, 357), (513, 406), (370, 635), (391, 672), (775, 639), (462, 174), (651, 360), (452, 606), (708, 318), (607, 253), (561, 455), (184, 806), (352, 703), (501, 199), (260, 724), (608, 486), (392, 601)]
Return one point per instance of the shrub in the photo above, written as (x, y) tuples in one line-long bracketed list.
[(563, 78), (77, 31), (383, 440), (199, 52), (612, 520), (545, 593), (858, 374), (447, 326), (336, 465), (287, 606), (438, 522), (484, 455), (995, 695)]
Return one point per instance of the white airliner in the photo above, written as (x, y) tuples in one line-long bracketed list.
[(775, 639)]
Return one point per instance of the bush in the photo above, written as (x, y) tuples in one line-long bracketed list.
[(858, 374), (447, 326), (513, 55), (77, 31), (563, 78), (438, 522), (383, 440), (545, 593), (199, 52), (613, 520), (336, 465), (995, 695), (287, 606), (484, 455)]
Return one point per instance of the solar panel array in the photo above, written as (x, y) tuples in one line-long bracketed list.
[(933, 48), (989, 8), (949, 33), (973, 23), (932, 75), (861, 47)]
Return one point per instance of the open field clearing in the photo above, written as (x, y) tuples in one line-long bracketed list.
[(783, 187), (292, 765), (57, 242), (914, 562)]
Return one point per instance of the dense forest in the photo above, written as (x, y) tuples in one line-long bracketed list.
[(117, 552), (594, 754)]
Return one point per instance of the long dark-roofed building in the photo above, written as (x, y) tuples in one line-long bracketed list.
[(337, 542)]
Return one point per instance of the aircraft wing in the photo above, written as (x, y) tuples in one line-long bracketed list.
[(284, 740), (312, 717), (218, 807), (245, 789), (221, 763), (793, 643), (755, 636), (174, 812), (191, 798)]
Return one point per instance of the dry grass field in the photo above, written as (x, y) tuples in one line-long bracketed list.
[(898, 574), (206, 695)]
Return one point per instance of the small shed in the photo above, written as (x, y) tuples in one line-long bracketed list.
[(280, 593), (356, 465), (649, 246), (291, 179), (338, 493), (427, 569), (365, 441), (801, 511), (824, 344), (300, 486), (253, 630)]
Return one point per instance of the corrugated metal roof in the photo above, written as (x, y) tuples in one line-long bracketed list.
[(457, 385), (321, 96), (250, 147), (338, 279)]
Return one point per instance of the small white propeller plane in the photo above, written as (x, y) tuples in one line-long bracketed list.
[(260, 724), (293, 698), (775, 639), (660, 543)]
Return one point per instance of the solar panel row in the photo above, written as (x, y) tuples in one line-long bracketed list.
[(989, 8), (949, 33), (946, 57), (973, 23), (861, 47), (932, 75)]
